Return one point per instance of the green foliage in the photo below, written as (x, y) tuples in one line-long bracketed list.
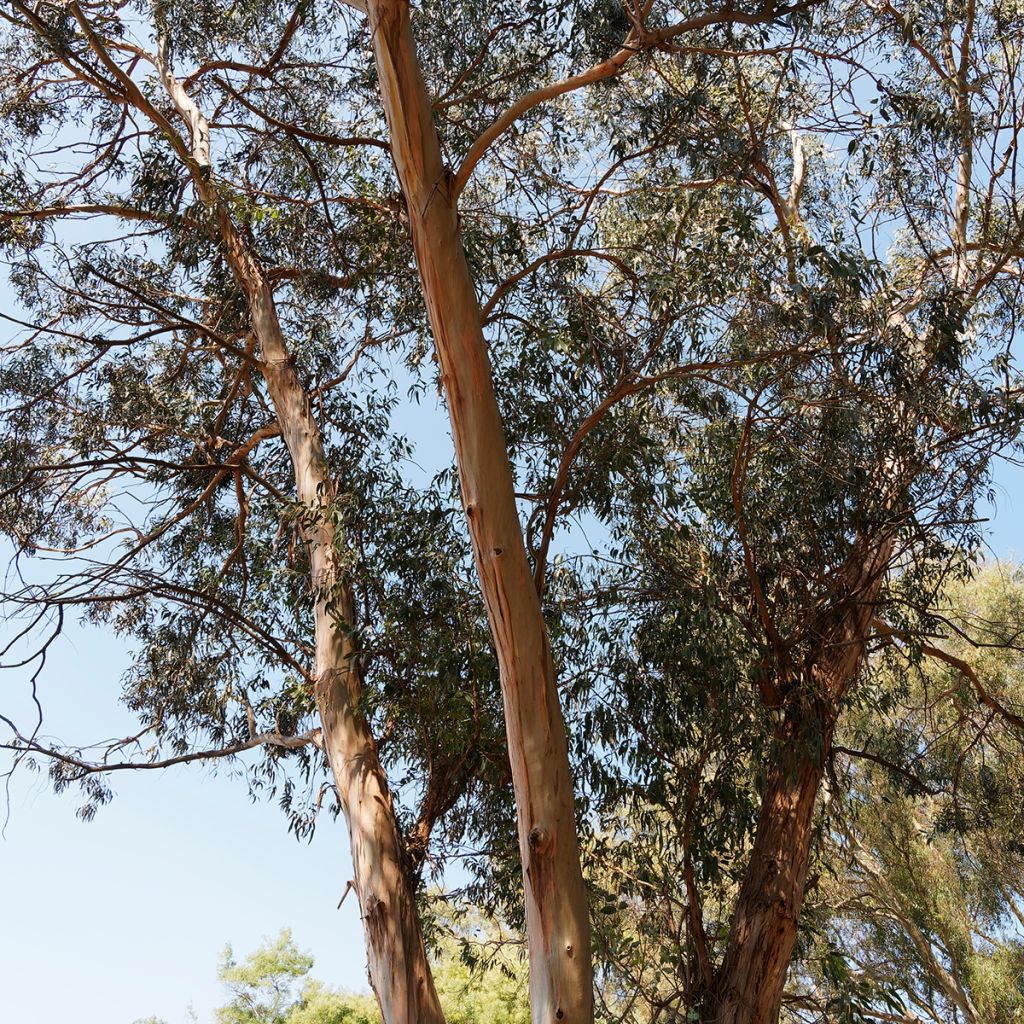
[(478, 980), (925, 879), (726, 384), (263, 985), (272, 986), (319, 1005), (915, 897)]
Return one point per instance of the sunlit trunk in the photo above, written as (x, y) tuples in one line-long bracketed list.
[(561, 980), (398, 966)]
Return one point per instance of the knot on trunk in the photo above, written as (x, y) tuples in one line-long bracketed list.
[(375, 917), (539, 839)]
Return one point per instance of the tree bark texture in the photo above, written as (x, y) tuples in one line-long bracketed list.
[(558, 928), (398, 966), (397, 960), (749, 985)]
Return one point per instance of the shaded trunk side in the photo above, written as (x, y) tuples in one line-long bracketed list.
[(749, 985), (558, 928), (397, 959)]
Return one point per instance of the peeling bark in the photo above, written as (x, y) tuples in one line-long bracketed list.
[(558, 929)]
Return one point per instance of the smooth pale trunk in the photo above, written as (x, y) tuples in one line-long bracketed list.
[(399, 971), (558, 927), (398, 966)]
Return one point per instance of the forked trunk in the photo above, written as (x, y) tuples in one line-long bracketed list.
[(558, 928), (398, 966)]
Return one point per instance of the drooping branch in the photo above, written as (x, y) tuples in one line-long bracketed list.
[(25, 745)]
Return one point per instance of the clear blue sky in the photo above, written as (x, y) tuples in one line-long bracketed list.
[(123, 917), (1007, 526)]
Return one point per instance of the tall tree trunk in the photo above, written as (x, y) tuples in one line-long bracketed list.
[(399, 970), (558, 927), (749, 984)]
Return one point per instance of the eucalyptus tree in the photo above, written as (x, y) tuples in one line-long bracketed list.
[(212, 139), (918, 902), (829, 494), (557, 914), (196, 423), (783, 433), (913, 909)]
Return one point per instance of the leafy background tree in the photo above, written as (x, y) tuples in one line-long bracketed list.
[(272, 986)]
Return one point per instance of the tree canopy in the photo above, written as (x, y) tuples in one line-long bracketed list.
[(272, 985), (683, 667)]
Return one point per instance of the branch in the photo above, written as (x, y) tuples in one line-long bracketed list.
[(559, 254), (891, 766), (628, 386), (638, 41), (92, 209), (305, 133), (24, 745), (984, 697)]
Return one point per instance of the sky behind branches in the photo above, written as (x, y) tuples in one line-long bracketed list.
[(123, 917)]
